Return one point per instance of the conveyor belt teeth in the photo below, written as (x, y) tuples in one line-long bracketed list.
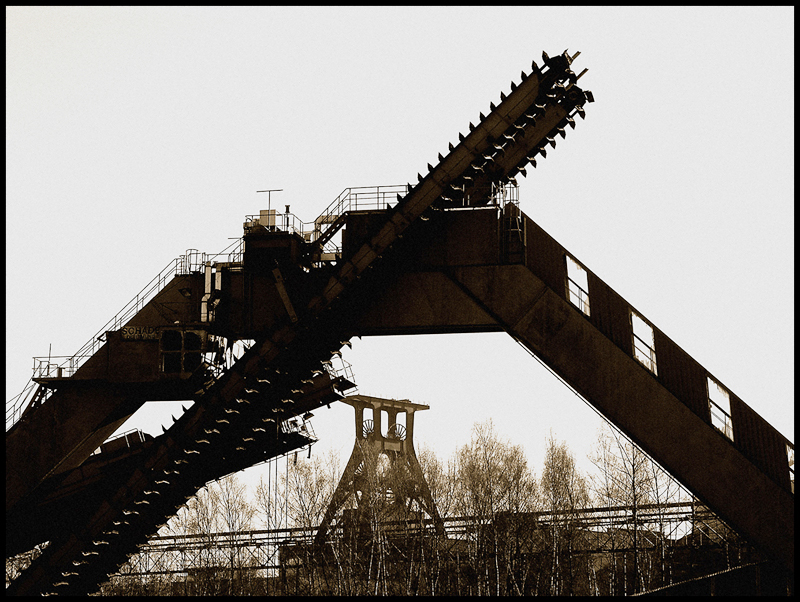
[(523, 172), (522, 76), (491, 106), (551, 141), (471, 127), (482, 116), (419, 177), (513, 86), (570, 121), (440, 157), (581, 112), (430, 168), (450, 146), (502, 96)]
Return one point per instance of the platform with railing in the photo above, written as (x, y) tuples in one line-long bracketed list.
[(58, 367)]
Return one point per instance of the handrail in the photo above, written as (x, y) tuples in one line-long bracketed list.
[(357, 198), (43, 367), (350, 199)]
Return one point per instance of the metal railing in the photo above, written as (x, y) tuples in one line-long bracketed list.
[(45, 367), (645, 354), (360, 198), (279, 222), (577, 296), (656, 524)]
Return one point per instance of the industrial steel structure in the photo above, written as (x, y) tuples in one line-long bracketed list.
[(450, 253), (383, 466), (271, 553)]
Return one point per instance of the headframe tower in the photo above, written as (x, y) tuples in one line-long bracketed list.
[(383, 472)]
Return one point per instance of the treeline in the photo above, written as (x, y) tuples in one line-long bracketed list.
[(509, 532)]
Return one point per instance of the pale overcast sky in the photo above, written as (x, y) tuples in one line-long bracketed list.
[(133, 134)]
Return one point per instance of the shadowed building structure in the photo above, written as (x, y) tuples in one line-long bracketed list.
[(383, 470), (451, 253)]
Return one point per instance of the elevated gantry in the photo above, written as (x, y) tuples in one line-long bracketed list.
[(450, 253), (383, 473)]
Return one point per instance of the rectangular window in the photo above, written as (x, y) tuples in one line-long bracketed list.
[(181, 351), (577, 285), (644, 348), (719, 402)]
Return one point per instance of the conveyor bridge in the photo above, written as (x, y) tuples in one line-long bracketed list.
[(451, 253)]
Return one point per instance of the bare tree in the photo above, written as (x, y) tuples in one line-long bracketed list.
[(441, 478), (234, 514), (309, 487), (270, 497), (628, 480), (493, 478), (564, 494)]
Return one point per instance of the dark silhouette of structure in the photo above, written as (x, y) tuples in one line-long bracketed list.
[(450, 253), (383, 466)]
